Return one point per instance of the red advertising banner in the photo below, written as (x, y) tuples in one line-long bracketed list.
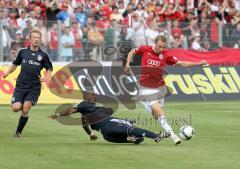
[(216, 57)]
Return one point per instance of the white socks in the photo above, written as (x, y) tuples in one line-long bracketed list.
[(163, 122)]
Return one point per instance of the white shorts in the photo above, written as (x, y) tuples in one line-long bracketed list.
[(149, 96)]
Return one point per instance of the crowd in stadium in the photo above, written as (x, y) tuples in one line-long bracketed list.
[(87, 25)]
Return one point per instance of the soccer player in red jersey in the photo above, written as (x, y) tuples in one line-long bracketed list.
[(154, 59)]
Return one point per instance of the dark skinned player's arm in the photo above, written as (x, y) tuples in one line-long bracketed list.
[(65, 112), (86, 126), (88, 130)]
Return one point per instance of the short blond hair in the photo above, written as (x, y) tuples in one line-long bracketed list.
[(35, 31), (161, 38)]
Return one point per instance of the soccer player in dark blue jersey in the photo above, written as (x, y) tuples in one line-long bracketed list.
[(113, 129), (28, 84)]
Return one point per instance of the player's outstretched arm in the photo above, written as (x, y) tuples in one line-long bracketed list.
[(65, 112), (190, 64), (11, 69), (129, 59)]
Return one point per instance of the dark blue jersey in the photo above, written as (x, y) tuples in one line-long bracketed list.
[(86, 107), (32, 62), (95, 116)]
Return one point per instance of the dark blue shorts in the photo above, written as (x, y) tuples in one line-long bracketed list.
[(116, 130), (21, 96)]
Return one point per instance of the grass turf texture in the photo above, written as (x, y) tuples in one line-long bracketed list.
[(46, 144)]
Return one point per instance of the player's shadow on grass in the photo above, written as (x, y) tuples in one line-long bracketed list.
[(113, 144)]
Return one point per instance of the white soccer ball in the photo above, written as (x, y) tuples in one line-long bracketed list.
[(186, 132)]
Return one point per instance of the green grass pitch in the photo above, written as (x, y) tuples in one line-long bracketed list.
[(46, 144)]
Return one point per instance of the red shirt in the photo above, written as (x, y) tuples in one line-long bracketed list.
[(152, 65), (53, 44), (214, 31), (78, 43), (103, 24)]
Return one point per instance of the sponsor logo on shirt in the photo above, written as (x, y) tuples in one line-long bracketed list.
[(39, 57), (161, 56), (31, 62), (153, 62)]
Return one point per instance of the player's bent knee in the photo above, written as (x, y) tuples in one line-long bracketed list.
[(16, 107)]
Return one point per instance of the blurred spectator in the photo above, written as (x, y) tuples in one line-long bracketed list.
[(235, 36), (12, 28), (95, 40), (52, 9), (103, 24), (170, 12), (6, 42), (26, 32), (204, 25), (81, 16), (67, 44), (214, 6), (159, 10), (77, 33), (128, 10), (106, 9), (134, 2), (138, 26), (86, 49), (176, 28), (149, 18), (150, 6), (177, 35), (38, 13), (185, 24), (121, 8), (39, 8), (237, 44), (3, 4), (16, 45), (13, 54), (110, 35), (115, 15), (63, 15), (140, 11), (42, 28), (14, 8), (12, 14), (206, 46), (21, 21), (181, 14), (18, 41), (192, 29), (22, 5), (196, 44), (32, 18), (96, 14), (214, 31), (2, 16), (151, 33), (190, 4), (177, 41), (87, 7), (53, 42), (68, 5)]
